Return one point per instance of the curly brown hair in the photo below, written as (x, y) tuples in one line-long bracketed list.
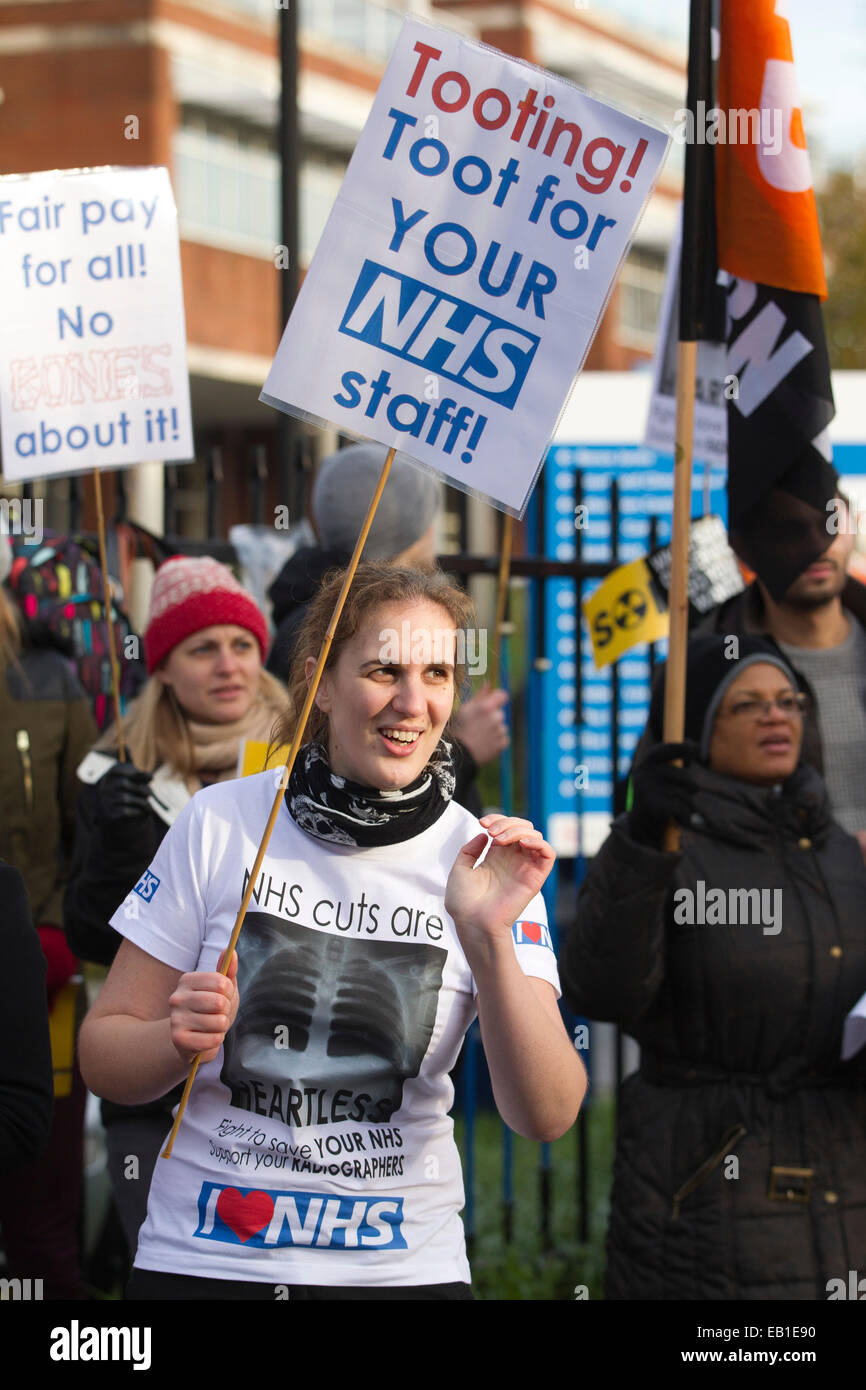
[(375, 584)]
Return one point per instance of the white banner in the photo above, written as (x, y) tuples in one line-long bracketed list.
[(92, 337), (466, 263), (710, 442)]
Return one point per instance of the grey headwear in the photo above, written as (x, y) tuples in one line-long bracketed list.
[(737, 669), (344, 486)]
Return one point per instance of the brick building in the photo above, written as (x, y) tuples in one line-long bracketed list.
[(194, 85)]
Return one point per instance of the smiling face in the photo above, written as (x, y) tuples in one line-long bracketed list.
[(756, 747), (214, 674), (390, 694)]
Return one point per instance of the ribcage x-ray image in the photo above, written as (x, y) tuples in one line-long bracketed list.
[(324, 1016)]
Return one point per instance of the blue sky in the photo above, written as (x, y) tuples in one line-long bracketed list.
[(830, 54)]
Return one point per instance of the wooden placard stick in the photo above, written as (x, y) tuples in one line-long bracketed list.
[(695, 320), (678, 593), (109, 621), (501, 628), (287, 772)]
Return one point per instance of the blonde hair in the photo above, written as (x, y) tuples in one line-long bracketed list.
[(375, 584), (155, 728)]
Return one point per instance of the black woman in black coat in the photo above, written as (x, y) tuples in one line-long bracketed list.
[(741, 1153)]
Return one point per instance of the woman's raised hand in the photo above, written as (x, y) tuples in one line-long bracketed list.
[(202, 1010), (486, 900)]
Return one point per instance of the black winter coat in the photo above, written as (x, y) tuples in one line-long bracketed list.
[(740, 1028), (26, 1079), (107, 862), (296, 584)]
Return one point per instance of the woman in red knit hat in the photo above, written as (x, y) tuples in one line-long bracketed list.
[(205, 643)]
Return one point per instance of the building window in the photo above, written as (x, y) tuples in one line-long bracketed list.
[(262, 9), (363, 26), (320, 184), (640, 295), (227, 187)]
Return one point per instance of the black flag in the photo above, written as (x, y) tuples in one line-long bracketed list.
[(781, 480)]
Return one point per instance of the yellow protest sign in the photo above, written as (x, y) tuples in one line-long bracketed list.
[(253, 756), (624, 611)]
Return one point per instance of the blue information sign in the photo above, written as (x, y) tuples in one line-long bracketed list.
[(576, 781)]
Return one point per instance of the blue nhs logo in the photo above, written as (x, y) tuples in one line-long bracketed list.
[(147, 885), (439, 332)]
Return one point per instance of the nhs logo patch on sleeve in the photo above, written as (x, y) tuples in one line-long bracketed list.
[(531, 934), (320, 1220), (147, 885)]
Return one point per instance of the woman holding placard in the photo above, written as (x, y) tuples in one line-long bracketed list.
[(316, 1153)]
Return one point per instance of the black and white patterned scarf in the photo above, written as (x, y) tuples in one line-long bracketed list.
[(347, 813)]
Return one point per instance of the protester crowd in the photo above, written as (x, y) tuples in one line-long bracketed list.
[(371, 940)]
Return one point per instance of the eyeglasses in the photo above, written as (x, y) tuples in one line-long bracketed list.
[(791, 705)]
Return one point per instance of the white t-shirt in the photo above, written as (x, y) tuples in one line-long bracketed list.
[(316, 1148)]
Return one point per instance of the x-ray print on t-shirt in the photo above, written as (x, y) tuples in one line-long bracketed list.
[(329, 1027)]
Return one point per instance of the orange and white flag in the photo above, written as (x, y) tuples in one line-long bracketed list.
[(766, 216)]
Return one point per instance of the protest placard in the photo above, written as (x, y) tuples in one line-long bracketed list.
[(92, 337), (631, 605), (257, 755), (466, 263), (712, 382), (624, 611)]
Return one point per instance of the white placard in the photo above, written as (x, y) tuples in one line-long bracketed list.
[(710, 440), (854, 1030), (93, 367), (466, 263)]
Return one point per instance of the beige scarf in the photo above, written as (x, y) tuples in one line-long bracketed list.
[(215, 746)]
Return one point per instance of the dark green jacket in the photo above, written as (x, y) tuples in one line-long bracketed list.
[(46, 727)]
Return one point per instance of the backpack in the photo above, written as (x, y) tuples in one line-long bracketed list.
[(58, 589)]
